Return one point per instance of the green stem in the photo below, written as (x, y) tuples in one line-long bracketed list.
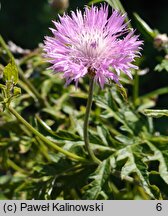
[(86, 122), (44, 139), (43, 149), (16, 167), (31, 87), (2, 42), (155, 93), (136, 88), (37, 141), (21, 73)]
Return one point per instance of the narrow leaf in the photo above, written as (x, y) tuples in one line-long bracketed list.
[(144, 26), (156, 113), (123, 92)]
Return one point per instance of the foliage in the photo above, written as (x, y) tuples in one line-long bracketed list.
[(162, 66), (122, 134)]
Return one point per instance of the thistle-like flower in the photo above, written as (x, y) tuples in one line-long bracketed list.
[(92, 43)]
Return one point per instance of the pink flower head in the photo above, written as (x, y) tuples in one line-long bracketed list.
[(92, 43)]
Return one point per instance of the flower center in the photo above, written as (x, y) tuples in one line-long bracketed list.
[(91, 71), (92, 43)]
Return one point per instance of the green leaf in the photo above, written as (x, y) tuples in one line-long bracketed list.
[(154, 94), (16, 91), (123, 92), (134, 165), (99, 177), (95, 138), (46, 87), (44, 125), (130, 116), (160, 154), (125, 139), (5, 179), (65, 135), (162, 66), (10, 73), (144, 27), (103, 134), (2, 86), (114, 107), (155, 190), (146, 104), (52, 169), (156, 113)]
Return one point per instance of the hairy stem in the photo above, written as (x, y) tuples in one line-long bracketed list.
[(136, 88), (43, 138), (86, 122)]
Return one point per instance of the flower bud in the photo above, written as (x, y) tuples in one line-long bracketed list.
[(59, 4), (161, 41), (166, 57)]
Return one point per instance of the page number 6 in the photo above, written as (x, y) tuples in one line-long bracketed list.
[(159, 206)]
